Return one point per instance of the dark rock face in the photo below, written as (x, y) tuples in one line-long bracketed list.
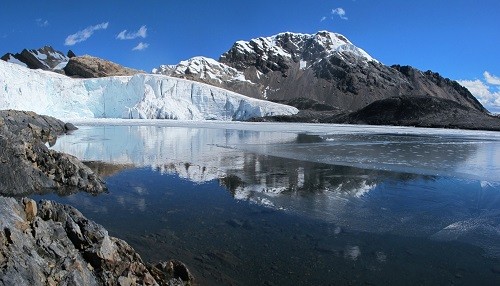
[(419, 111), (28, 166), (423, 111), (92, 67), (45, 58), (53, 244), (328, 68), (70, 54)]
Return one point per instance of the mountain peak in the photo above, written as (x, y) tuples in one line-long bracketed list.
[(281, 48), (203, 69), (45, 58)]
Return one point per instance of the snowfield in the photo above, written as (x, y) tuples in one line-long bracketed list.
[(142, 96)]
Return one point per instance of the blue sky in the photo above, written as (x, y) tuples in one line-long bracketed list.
[(460, 39)]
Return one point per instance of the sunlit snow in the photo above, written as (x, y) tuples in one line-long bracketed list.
[(139, 96)]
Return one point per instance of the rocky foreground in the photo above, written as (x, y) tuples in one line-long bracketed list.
[(28, 166), (53, 244)]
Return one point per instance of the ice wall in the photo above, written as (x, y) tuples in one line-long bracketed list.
[(139, 96)]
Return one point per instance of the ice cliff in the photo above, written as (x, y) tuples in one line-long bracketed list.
[(139, 96)]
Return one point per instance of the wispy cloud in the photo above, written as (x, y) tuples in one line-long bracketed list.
[(339, 12), (125, 35), (141, 46), (84, 34), (487, 91), (491, 79), (42, 23)]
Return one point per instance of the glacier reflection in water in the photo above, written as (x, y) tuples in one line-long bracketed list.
[(442, 186)]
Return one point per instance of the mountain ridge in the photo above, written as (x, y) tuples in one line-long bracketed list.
[(45, 58), (325, 67), (324, 75)]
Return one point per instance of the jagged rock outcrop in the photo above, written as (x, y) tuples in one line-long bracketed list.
[(45, 58), (28, 166), (53, 244), (93, 67), (325, 67)]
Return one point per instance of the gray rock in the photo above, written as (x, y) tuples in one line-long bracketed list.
[(59, 246), (28, 166), (70, 127)]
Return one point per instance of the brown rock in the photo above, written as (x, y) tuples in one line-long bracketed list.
[(30, 209), (93, 67)]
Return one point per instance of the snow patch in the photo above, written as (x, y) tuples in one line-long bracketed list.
[(60, 66), (13, 60), (303, 65)]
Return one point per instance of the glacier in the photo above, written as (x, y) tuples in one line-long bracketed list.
[(142, 96)]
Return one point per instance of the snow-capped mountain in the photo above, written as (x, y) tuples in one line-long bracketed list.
[(205, 70), (45, 58), (138, 96), (276, 51), (325, 67)]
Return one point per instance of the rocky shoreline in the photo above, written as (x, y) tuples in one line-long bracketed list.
[(48, 243)]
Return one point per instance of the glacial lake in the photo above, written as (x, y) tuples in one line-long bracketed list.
[(298, 204)]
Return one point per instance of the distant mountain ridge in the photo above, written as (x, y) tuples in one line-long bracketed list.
[(325, 67), (45, 58)]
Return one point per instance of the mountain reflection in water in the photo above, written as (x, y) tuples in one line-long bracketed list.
[(372, 188)]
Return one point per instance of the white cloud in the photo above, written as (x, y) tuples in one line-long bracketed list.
[(141, 46), (488, 95), (84, 34), (141, 33), (339, 12), (42, 23), (491, 79)]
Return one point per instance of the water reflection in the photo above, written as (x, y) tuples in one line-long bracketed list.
[(444, 186), (246, 207), (203, 154)]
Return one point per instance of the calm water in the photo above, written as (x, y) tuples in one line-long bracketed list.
[(290, 204)]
